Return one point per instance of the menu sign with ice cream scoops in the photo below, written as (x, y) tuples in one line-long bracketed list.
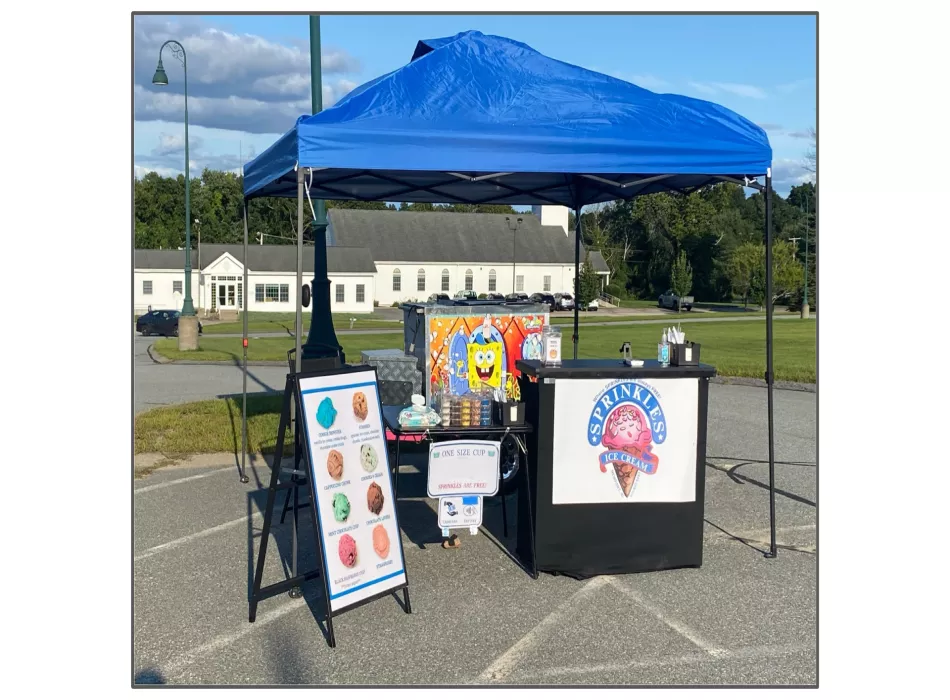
[(351, 480), (625, 441)]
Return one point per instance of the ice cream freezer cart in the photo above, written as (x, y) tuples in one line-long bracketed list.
[(617, 464), (465, 347)]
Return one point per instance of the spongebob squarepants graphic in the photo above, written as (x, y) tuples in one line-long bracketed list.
[(484, 365)]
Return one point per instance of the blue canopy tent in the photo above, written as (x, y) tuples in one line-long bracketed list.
[(480, 119)]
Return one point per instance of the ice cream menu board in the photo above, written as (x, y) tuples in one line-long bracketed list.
[(625, 441), (353, 486)]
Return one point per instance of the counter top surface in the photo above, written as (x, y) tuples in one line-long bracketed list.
[(575, 369)]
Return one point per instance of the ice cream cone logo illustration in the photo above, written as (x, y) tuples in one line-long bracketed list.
[(626, 423)]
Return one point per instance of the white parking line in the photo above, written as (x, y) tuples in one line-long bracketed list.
[(219, 642), (757, 652), (502, 667), (175, 482), (683, 629), (191, 538)]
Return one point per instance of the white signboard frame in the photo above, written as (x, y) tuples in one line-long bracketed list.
[(463, 468), (354, 499), (625, 440)]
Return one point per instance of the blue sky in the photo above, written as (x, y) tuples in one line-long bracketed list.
[(249, 75)]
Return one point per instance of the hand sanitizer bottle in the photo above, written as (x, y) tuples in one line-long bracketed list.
[(663, 351)]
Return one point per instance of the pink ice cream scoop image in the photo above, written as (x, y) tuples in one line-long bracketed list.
[(626, 430), (347, 551)]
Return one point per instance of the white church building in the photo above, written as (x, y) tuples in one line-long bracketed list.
[(377, 257)]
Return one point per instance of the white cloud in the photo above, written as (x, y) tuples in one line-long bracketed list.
[(644, 80), (787, 172), (740, 89), (704, 88), (242, 82), (804, 134), (794, 85), (174, 144)]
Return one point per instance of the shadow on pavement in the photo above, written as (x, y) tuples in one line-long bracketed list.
[(742, 479), (149, 676)]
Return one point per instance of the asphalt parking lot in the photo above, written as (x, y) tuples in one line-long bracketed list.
[(477, 617)]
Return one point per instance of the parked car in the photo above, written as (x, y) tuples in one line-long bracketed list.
[(160, 322), (517, 297), (669, 300), (495, 296), (439, 298), (564, 302), (543, 298), (466, 295), (593, 305)]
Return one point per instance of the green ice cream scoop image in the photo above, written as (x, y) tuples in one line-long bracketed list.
[(341, 507)]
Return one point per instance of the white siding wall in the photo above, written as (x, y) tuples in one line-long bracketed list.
[(163, 298), (349, 282), (562, 279)]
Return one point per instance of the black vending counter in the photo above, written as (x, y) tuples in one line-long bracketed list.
[(617, 464)]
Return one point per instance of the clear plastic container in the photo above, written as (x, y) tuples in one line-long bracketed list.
[(551, 345)]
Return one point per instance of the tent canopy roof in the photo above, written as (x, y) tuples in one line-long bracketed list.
[(483, 119)]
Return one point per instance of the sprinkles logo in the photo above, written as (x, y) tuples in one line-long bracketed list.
[(627, 421)]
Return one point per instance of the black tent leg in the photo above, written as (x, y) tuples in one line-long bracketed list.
[(769, 370), (244, 478), (577, 274)]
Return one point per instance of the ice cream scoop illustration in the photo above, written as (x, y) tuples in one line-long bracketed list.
[(326, 413), (341, 507), (381, 541), (627, 430), (347, 551)]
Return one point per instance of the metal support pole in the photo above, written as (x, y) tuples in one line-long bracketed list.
[(244, 343), (298, 322), (577, 275), (769, 372)]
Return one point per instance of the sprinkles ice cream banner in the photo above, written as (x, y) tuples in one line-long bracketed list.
[(472, 352), (640, 441)]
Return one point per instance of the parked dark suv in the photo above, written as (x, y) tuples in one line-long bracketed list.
[(544, 298), (160, 322)]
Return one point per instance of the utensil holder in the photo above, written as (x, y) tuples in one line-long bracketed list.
[(684, 354)]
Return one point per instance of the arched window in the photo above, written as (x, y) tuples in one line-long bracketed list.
[(491, 280), (445, 280), (421, 280), (397, 280), (468, 281)]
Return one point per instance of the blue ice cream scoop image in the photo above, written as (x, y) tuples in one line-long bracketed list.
[(326, 414)]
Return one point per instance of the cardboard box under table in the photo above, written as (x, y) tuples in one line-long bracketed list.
[(617, 464)]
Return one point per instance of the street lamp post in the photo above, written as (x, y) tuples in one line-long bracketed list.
[(188, 322), (514, 252), (805, 309)]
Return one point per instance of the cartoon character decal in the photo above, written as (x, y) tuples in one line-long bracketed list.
[(484, 365), (466, 352)]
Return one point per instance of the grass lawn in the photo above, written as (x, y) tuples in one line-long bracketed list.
[(209, 426), (271, 322), (735, 349), (265, 349)]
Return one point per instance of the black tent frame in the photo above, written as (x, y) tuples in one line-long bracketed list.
[(575, 190)]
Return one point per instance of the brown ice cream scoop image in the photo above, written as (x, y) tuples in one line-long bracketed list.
[(381, 541), (335, 465), (359, 405), (374, 498)]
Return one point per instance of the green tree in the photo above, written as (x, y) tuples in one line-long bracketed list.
[(681, 277), (589, 284), (742, 269)]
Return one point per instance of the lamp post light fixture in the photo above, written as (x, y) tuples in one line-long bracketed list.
[(188, 322)]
